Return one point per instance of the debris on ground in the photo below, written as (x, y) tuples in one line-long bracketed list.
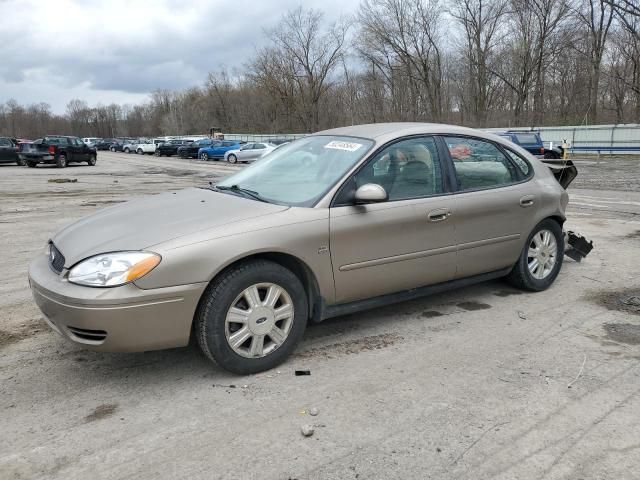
[(584, 360), (307, 430), (62, 180), (578, 247), (522, 315), (313, 411), (624, 300), (300, 373)]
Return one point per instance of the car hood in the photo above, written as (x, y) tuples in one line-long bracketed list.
[(142, 223)]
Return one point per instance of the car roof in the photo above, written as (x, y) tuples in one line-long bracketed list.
[(384, 132)]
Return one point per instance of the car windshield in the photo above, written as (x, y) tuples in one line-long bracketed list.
[(301, 172)]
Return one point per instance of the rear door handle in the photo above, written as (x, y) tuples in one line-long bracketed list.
[(439, 215), (527, 201)]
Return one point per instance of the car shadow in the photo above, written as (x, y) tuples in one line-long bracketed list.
[(168, 365)]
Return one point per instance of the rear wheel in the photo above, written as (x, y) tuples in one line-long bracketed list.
[(92, 160), (61, 161), (139, 151), (113, 149), (204, 156), (541, 258), (252, 317), (21, 162), (31, 164), (126, 150), (232, 158)]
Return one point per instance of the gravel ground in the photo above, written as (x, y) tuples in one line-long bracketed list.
[(483, 382)]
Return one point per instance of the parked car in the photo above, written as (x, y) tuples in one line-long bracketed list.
[(59, 150), (249, 152), (526, 139), (130, 145), (9, 150), (217, 151), (91, 141), (170, 147), (191, 150), (333, 223), (105, 143), (149, 146)]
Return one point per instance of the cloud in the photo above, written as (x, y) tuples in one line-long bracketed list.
[(128, 48)]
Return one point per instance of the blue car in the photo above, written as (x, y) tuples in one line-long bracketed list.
[(217, 150)]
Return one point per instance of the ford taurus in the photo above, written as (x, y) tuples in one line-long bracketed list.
[(336, 222)]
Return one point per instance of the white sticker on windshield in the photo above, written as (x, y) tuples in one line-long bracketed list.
[(348, 146)]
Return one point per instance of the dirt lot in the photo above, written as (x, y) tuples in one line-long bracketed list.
[(485, 382)]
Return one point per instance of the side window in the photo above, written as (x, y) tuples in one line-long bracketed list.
[(479, 164), (259, 146), (4, 142), (78, 142), (407, 169), (520, 162)]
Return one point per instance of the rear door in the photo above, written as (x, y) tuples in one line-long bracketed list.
[(81, 152), (494, 207), (403, 243)]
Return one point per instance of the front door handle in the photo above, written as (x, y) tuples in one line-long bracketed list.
[(439, 215), (527, 201)]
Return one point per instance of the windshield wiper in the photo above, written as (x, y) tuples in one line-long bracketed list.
[(245, 191)]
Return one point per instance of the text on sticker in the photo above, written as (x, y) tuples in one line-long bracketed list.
[(348, 146)]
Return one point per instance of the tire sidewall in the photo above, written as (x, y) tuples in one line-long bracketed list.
[(213, 315), (529, 280), (62, 161), (232, 158), (92, 160)]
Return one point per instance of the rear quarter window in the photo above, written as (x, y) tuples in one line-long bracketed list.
[(527, 139), (521, 163)]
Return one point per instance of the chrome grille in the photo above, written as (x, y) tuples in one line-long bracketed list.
[(56, 259)]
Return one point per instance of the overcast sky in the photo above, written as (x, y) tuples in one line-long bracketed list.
[(106, 51)]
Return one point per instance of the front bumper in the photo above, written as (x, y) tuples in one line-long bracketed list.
[(118, 319)]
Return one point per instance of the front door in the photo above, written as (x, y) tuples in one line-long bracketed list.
[(403, 243), (495, 206)]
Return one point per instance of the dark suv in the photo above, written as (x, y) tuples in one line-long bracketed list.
[(9, 151), (527, 139)]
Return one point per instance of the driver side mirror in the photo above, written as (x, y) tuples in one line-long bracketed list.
[(371, 193)]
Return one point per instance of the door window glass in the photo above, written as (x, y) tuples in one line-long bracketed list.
[(406, 169), (479, 164), (4, 142)]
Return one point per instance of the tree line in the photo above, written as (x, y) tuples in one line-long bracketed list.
[(480, 63)]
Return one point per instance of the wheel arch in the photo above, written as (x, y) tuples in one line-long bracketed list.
[(292, 263)]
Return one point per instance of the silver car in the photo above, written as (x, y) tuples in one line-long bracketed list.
[(333, 223), (249, 152)]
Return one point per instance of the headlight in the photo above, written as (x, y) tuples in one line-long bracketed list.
[(113, 269)]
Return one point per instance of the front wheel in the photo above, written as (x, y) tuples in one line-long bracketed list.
[(92, 160), (252, 317), (31, 164), (541, 258), (113, 149), (21, 162), (232, 158), (61, 162), (126, 150), (204, 156), (139, 151)]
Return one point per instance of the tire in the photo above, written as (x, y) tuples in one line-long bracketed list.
[(113, 149), (126, 150), (232, 158), (92, 160), (551, 155), (212, 329), (61, 161), (139, 151), (21, 162), (31, 164), (157, 154), (521, 275), (204, 156)]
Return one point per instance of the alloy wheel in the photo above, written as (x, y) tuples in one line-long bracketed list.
[(542, 254), (259, 320)]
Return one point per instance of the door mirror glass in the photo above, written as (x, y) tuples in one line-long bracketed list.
[(371, 193)]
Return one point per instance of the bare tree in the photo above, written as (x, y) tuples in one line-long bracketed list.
[(481, 21)]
